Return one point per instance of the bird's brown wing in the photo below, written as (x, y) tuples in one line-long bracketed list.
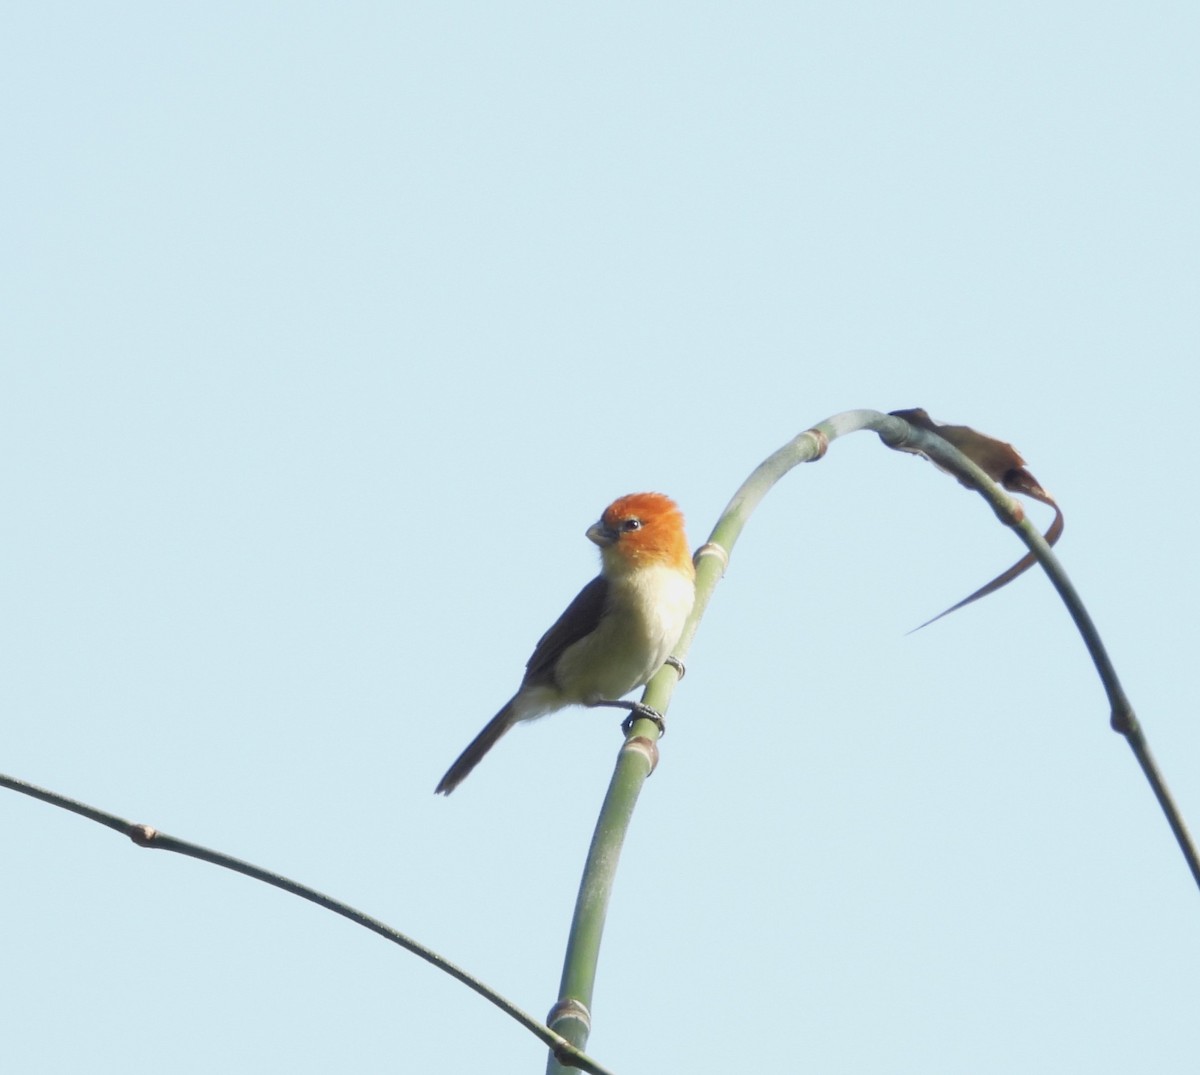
[(579, 619)]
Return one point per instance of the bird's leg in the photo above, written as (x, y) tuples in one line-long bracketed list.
[(677, 664), (637, 711)]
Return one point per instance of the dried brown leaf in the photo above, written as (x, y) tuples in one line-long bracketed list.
[(1002, 463)]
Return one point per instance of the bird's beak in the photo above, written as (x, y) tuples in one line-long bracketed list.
[(602, 535)]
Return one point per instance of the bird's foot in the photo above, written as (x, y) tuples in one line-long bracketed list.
[(678, 665), (639, 711)]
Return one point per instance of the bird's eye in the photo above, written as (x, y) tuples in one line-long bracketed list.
[(631, 524)]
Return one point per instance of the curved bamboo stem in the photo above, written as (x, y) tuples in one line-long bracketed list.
[(571, 1015)]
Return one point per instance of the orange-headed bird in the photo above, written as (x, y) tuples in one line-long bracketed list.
[(616, 634)]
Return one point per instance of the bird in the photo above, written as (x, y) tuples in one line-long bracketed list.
[(616, 634)]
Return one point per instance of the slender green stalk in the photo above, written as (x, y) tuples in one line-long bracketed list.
[(571, 1016), (146, 836)]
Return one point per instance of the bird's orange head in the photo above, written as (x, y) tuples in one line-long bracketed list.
[(642, 529)]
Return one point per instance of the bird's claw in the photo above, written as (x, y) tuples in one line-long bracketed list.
[(640, 711), (678, 665), (637, 711)]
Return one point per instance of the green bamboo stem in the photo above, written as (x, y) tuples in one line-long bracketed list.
[(571, 1016)]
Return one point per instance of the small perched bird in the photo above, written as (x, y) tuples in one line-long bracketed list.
[(616, 634)]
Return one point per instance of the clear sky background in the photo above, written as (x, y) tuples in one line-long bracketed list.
[(326, 332)]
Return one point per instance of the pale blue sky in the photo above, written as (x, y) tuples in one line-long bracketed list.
[(328, 329)]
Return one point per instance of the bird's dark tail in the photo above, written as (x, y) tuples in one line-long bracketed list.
[(478, 747)]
